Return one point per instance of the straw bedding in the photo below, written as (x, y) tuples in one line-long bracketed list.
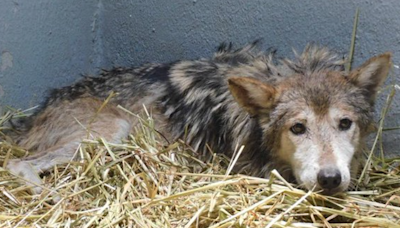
[(144, 182)]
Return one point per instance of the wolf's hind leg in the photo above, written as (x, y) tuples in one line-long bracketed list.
[(29, 168), (58, 131), (27, 172)]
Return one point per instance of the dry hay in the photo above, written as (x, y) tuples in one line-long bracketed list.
[(143, 183)]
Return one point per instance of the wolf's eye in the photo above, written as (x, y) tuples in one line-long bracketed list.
[(298, 129), (345, 124)]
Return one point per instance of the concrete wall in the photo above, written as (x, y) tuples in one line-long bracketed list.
[(45, 44), (49, 43)]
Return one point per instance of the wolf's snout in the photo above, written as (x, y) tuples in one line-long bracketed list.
[(329, 178)]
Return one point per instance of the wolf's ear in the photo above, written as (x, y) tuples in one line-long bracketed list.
[(372, 73), (253, 95)]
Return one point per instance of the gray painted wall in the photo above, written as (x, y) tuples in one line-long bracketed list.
[(52, 42), (44, 44)]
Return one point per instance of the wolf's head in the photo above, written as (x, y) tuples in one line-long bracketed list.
[(315, 119)]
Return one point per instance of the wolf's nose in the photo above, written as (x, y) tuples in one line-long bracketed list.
[(329, 178)]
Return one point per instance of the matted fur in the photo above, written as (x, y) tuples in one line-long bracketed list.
[(191, 100)]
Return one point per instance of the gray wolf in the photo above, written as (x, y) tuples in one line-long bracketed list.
[(305, 117)]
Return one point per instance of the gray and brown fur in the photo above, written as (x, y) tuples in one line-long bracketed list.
[(238, 97)]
